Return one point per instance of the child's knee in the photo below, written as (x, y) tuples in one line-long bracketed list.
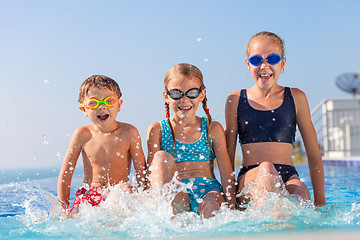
[(267, 167), (162, 158)]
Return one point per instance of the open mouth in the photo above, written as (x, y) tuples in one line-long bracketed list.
[(185, 108), (265, 77), (103, 117)]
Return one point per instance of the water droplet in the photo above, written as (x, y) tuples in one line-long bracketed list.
[(206, 59), (199, 200), (118, 154), (155, 145), (46, 81)]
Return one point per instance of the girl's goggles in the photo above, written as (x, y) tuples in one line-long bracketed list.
[(272, 59), (94, 103), (192, 93)]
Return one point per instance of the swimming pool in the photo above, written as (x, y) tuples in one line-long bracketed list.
[(29, 210)]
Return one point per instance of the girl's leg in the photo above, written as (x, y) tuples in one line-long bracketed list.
[(162, 169), (211, 202), (181, 203), (263, 176), (296, 187)]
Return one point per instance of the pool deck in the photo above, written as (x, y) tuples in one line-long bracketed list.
[(324, 235)]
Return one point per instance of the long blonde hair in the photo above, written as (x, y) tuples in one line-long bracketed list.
[(186, 69)]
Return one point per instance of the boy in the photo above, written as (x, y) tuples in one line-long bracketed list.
[(107, 146)]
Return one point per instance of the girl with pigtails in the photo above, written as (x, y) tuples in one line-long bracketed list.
[(188, 144)]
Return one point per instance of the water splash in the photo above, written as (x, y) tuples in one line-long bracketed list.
[(148, 215)]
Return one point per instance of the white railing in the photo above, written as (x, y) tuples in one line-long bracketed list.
[(337, 125)]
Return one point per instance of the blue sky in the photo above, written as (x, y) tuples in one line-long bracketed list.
[(48, 48)]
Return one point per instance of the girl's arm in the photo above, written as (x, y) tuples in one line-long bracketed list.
[(138, 157), (303, 119), (231, 125), (223, 160), (68, 168), (153, 141)]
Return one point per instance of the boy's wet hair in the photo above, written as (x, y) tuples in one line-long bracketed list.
[(98, 81), (188, 70), (267, 35)]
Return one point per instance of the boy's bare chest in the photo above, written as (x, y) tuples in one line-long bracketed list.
[(106, 147)]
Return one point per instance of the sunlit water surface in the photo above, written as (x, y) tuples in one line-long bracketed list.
[(29, 209)]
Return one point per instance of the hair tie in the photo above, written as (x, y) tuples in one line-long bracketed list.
[(167, 115), (207, 111)]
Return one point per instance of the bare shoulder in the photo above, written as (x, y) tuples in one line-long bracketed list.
[(235, 93), (233, 97), (301, 102), (298, 95), (156, 126), (232, 101), (82, 134), (154, 132), (127, 129), (216, 128)]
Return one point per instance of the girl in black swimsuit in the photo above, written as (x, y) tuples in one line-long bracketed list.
[(265, 118)]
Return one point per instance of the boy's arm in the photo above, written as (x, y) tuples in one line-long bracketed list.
[(223, 160), (303, 118), (231, 126), (67, 169), (138, 157)]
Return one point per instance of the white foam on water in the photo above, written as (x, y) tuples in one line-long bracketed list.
[(148, 215)]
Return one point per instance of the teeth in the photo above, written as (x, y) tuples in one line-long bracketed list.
[(264, 75), (184, 108)]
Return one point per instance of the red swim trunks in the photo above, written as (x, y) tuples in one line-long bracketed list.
[(91, 196)]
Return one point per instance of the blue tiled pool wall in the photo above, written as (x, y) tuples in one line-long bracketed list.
[(342, 163)]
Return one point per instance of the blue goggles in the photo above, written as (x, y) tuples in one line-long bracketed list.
[(272, 59)]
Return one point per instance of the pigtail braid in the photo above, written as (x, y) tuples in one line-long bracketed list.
[(204, 104), (167, 110)]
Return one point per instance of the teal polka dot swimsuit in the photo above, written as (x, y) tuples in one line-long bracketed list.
[(183, 152), (197, 151)]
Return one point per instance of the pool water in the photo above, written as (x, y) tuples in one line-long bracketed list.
[(29, 210)]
